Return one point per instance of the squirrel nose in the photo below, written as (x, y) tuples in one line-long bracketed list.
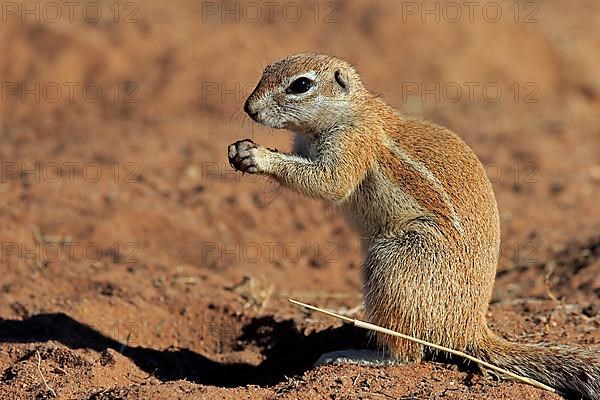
[(249, 111)]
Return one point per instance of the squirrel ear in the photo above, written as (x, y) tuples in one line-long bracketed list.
[(341, 80)]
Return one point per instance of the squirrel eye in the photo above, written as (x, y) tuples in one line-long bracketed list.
[(300, 85)]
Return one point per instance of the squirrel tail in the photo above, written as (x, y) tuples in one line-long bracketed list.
[(573, 371)]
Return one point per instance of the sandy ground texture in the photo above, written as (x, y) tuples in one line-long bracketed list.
[(136, 264)]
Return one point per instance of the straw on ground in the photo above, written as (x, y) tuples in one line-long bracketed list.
[(39, 368)]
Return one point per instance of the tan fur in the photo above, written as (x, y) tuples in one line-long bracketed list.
[(419, 198)]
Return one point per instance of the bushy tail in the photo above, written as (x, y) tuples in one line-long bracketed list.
[(573, 371)]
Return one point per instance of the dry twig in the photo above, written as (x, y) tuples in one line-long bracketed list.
[(39, 368)]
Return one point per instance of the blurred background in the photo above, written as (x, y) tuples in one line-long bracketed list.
[(136, 263)]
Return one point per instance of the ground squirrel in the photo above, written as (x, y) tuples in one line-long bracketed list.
[(420, 199)]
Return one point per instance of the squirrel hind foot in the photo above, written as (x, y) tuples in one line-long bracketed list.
[(365, 357)]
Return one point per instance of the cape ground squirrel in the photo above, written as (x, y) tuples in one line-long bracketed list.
[(421, 201)]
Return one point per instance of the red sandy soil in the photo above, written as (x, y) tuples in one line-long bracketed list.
[(168, 275)]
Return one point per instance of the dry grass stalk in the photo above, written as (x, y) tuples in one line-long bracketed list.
[(39, 368)]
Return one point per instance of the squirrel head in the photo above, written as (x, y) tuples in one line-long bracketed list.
[(307, 93)]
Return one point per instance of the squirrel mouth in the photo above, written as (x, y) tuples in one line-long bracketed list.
[(253, 115)]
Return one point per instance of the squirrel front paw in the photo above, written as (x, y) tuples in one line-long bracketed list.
[(247, 156)]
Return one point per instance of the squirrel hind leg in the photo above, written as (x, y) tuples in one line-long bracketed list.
[(365, 357), (411, 286)]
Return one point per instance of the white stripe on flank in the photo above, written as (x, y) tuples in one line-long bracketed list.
[(430, 177)]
